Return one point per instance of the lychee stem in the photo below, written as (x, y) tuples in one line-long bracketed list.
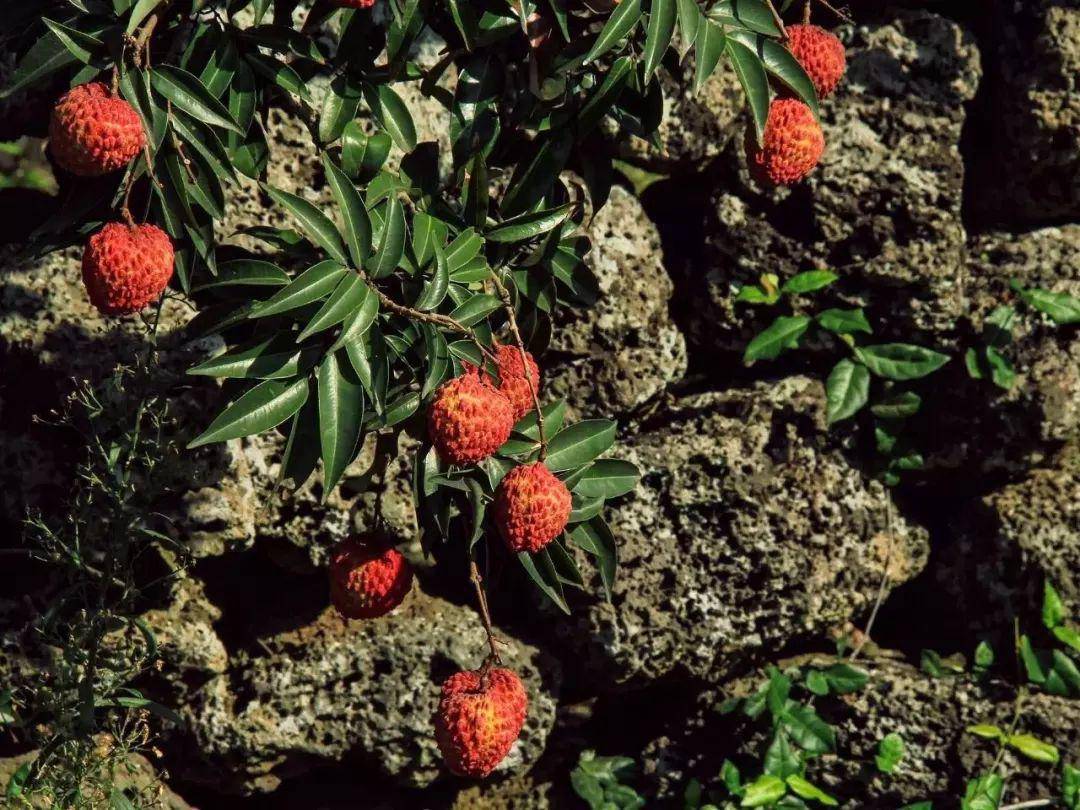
[(485, 614), (776, 19), (806, 13), (508, 305)]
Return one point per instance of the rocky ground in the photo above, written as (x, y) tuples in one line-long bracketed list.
[(757, 534)]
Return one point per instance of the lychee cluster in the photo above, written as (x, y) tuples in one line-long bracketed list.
[(479, 718), (92, 132), (126, 267), (367, 578), (532, 507), (793, 142)]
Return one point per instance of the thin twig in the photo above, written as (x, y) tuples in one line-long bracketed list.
[(841, 14), (882, 584), (485, 614), (1028, 804), (806, 13), (508, 305), (776, 19)]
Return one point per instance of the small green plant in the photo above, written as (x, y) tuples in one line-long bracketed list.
[(874, 375), (599, 781)]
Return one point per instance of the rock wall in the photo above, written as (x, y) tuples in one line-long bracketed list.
[(951, 169)]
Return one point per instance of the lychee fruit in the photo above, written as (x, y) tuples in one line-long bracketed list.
[(92, 132), (126, 267), (515, 377), (367, 578), (792, 146), (479, 718), (469, 418), (821, 55), (532, 507)]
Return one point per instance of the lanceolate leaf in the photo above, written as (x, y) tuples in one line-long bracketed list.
[(82, 46), (309, 286), (347, 296), (274, 358), (394, 116), (595, 538), (544, 576), (783, 333), (579, 444), (246, 272), (608, 478), (708, 47), (1062, 308), (391, 244), (265, 406), (341, 416), (662, 16), (606, 96), (619, 24), (779, 61), (359, 321), (901, 361), (529, 226), (357, 224), (189, 95), (754, 82), (45, 57), (313, 221)]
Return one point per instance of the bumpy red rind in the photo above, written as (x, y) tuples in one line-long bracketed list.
[(479, 718), (126, 267), (821, 55), (532, 506), (367, 579), (513, 382), (469, 419), (92, 132), (792, 146)]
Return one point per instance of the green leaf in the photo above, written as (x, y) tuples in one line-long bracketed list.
[(779, 62), (359, 321), (901, 361), (390, 246), (608, 478), (808, 730), (535, 176), (529, 226), (346, 299), (662, 16), (765, 790), (363, 156), (984, 655), (1063, 309), (619, 24), (541, 571), (45, 57), (754, 82), (781, 759), (898, 406), (846, 390), (81, 45), (302, 449), (844, 678), (889, 752), (280, 73), (18, 781), (192, 97), (606, 96), (339, 108), (808, 282), (394, 116), (277, 357), (750, 14), (816, 682), (783, 333), (357, 224), (313, 222), (983, 793), (1068, 636), (986, 731), (435, 288), (1053, 609), (690, 17), (265, 406), (246, 273), (800, 787), (308, 287), (709, 45), (595, 538), (341, 417), (475, 309), (579, 444), (1033, 748), (1070, 787)]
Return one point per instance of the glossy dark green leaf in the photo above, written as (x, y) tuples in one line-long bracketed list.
[(280, 74), (780, 62), (846, 390), (302, 448), (709, 46), (84, 47), (45, 57), (341, 417), (265, 406), (343, 301), (661, 27), (435, 288), (619, 24), (608, 478), (579, 444), (690, 18), (394, 115), (541, 571), (535, 176), (275, 358), (754, 82), (363, 156), (247, 273), (750, 14), (356, 325), (312, 221), (189, 95), (308, 287), (844, 321), (901, 361), (529, 226), (595, 538), (339, 108), (355, 221), (390, 246), (606, 96), (782, 334)]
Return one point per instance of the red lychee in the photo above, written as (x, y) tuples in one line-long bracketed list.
[(531, 507), (792, 146), (367, 579), (821, 55), (479, 718), (513, 381), (125, 267), (92, 132), (469, 419)]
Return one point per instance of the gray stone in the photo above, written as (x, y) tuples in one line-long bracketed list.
[(622, 352), (747, 532), (328, 689)]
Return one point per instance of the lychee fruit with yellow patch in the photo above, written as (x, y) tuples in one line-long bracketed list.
[(126, 267), (469, 418), (821, 55), (480, 716), (367, 578), (515, 377), (792, 145), (92, 132), (532, 507)]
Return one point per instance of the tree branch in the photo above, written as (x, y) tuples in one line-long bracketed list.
[(508, 305)]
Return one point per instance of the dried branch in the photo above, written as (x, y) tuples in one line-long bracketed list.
[(508, 305)]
